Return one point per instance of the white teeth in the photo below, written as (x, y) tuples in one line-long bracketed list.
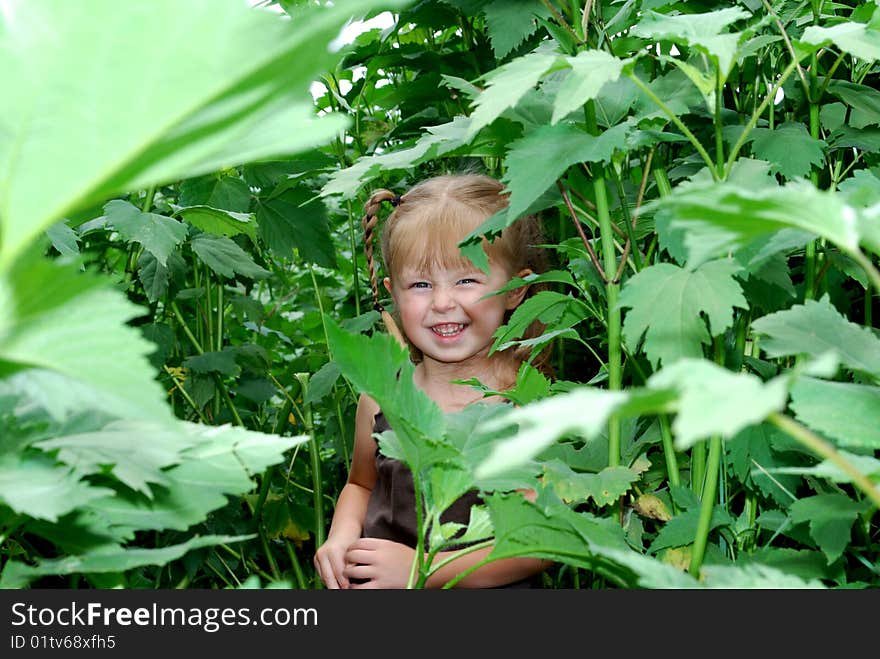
[(448, 329)]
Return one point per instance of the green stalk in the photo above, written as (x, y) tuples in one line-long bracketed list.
[(672, 473), (707, 505), (810, 264), (315, 461), (627, 221), (418, 566), (719, 137), (295, 564), (609, 257)]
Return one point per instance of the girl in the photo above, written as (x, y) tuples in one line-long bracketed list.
[(448, 322)]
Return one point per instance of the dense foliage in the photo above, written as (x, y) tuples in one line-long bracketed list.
[(184, 307)]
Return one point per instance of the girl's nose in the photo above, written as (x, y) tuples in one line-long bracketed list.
[(442, 300)]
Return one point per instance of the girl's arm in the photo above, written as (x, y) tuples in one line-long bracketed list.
[(497, 573), (351, 506)]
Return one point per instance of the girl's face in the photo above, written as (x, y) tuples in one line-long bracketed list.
[(445, 313)]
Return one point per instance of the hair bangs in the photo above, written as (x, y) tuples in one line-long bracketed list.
[(429, 238)]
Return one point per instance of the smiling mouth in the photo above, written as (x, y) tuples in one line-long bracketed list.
[(448, 329)]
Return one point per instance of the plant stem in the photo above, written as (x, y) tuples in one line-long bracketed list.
[(707, 505), (315, 460), (609, 257), (297, 568)]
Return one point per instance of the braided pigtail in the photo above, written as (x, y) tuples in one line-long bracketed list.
[(371, 220)]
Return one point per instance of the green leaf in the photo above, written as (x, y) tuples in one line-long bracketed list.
[(681, 530), (523, 528), (214, 362), (37, 486), (153, 275), (218, 461), (158, 234), (63, 238), (815, 328), (507, 84), (583, 412), (297, 220), (535, 162), (387, 377), (754, 453), (109, 559), (555, 310), (831, 517), (720, 217), (603, 488), (55, 317), (134, 463), (435, 142), (715, 401), (228, 193), (220, 222), (761, 577), (321, 383), (845, 411), (510, 22), (665, 305), (857, 39), (863, 99), (791, 150), (225, 257), (247, 100), (590, 70), (703, 31)]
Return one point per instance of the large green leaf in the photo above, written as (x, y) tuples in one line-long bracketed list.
[(510, 22), (604, 488), (830, 517), (217, 461), (507, 84), (226, 258), (666, 302), (296, 220), (815, 328), (846, 411), (703, 31), (54, 317), (857, 39), (220, 222), (715, 401), (37, 486), (721, 217), (194, 87), (158, 234), (387, 376), (135, 463), (536, 161), (789, 148), (590, 70), (108, 559), (581, 412)]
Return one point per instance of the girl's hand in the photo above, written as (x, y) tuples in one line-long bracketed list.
[(380, 563), (330, 563)]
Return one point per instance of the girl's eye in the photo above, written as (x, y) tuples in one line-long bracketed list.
[(467, 280), (420, 284)]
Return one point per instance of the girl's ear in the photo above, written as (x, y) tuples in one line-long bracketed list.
[(386, 282), (515, 297)]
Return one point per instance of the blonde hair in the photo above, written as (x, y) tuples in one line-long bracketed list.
[(430, 220)]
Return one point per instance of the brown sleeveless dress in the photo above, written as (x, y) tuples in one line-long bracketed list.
[(391, 509)]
